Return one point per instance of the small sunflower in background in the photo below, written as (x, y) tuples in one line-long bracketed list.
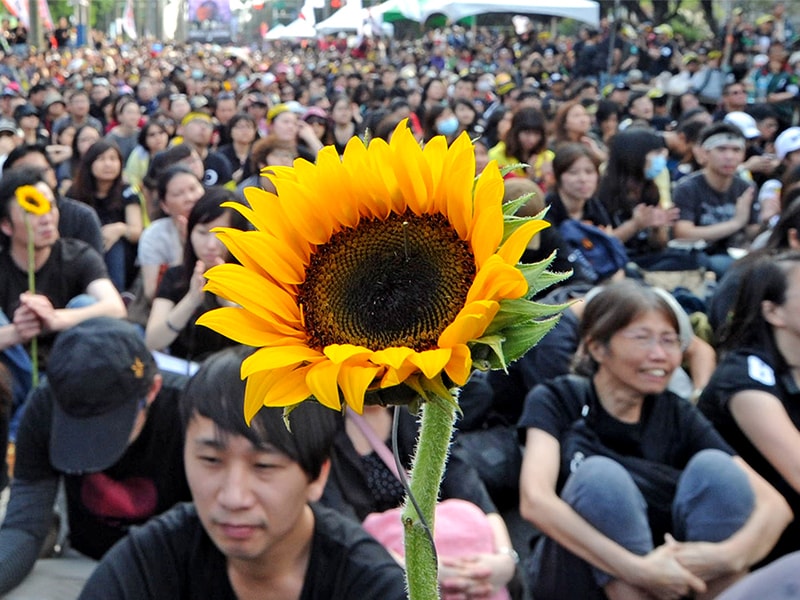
[(385, 276)]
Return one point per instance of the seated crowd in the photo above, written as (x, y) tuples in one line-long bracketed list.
[(647, 447)]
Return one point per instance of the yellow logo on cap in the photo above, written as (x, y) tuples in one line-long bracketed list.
[(138, 368)]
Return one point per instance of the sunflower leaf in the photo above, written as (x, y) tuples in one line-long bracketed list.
[(518, 312), (495, 344), (518, 340), (546, 279), (512, 206), (510, 168), (539, 278), (511, 224)]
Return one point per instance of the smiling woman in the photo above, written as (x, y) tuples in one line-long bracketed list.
[(615, 465)]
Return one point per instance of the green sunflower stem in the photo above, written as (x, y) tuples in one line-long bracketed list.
[(427, 470), (32, 290)]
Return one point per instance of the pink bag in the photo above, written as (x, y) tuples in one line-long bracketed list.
[(461, 529)]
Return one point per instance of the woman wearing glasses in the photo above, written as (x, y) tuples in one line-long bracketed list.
[(636, 494), (752, 397)]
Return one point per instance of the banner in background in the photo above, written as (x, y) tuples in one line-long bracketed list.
[(128, 23), (19, 9), (209, 21)]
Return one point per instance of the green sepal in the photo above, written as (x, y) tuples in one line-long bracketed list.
[(494, 343), (517, 312), (511, 207), (511, 224), (509, 168), (539, 278), (518, 340), (287, 410)]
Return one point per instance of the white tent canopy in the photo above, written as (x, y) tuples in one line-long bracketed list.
[(348, 18), (299, 28), (586, 11)]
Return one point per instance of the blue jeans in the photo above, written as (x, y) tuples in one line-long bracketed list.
[(712, 501), (18, 362), (116, 262)]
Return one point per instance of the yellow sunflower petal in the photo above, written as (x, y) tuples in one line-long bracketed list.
[(340, 353), (391, 357), (392, 377), (414, 175), (264, 254), (252, 292), (431, 362), (354, 382), (366, 182), (289, 390), (487, 225), (459, 366), (497, 281), (470, 323), (435, 151), (515, 245), (258, 215), (268, 358), (246, 328), (382, 161), (458, 192), (309, 217), (321, 380), (258, 385)]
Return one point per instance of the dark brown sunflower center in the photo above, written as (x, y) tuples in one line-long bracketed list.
[(393, 282)]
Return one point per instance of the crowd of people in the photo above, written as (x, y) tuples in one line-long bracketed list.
[(648, 443)]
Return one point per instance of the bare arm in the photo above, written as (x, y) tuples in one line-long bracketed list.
[(765, 422), (108, 303), (747, 546), (658, 572), (702, 360)]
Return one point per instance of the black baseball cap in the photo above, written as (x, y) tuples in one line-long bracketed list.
[(99, 373)]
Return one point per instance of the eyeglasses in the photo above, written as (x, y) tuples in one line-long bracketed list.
[(644, 340)]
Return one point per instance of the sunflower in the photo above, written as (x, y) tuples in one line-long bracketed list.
[(392, 266), (32, 200)]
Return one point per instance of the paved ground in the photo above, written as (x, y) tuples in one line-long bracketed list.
[(54, 579)]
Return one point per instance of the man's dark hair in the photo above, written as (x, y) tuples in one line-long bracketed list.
[(720, 127), (22, 151), (216, 392)]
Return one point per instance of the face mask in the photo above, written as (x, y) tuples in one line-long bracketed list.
[(448, 126), (657, 164)]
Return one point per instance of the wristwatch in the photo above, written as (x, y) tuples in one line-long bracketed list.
[(509, 551)]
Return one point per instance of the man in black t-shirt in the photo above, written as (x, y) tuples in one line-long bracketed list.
[(254, 524), (105, 425)]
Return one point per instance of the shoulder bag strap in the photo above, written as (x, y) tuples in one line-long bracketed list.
[(378, 445)]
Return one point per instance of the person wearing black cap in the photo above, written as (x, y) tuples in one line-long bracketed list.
[(29, 122), (255, 528), (105, 423)]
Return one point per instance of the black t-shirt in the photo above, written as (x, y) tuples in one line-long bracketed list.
[(101, 507), (173, 557), (79, 221), (218, 170), (670, 431), (70, 268), (752, 369), (703, 205), (193, 342), (593, 212)]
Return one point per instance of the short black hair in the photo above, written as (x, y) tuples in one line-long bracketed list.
[(216, 392)]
